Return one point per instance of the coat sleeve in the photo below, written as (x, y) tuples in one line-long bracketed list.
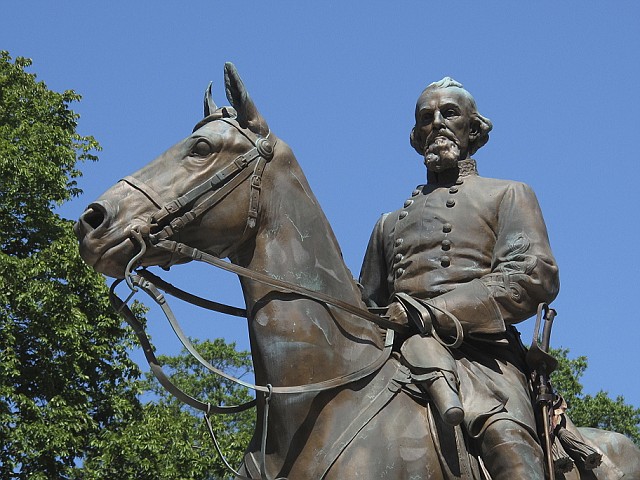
[(374, 275), (523, 271)]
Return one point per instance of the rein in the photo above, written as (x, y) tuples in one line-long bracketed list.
[(159, 298), (137, 281)]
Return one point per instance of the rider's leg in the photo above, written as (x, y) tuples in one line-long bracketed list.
[(509, 451), (433, 369)]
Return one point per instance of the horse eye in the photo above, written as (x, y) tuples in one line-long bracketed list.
[(202, 148)]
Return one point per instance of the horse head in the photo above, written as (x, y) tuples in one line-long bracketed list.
[(217, 169)]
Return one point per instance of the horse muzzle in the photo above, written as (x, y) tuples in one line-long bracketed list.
[(104, 245)]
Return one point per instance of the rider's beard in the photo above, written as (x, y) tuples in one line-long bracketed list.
[(441, 154)]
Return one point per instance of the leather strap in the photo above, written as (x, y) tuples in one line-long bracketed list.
[(195, 254), (207, 203), (420, 313), (190, 298), (221, 183), (150, 289), (148, 192), (325, 459), (124, 310)]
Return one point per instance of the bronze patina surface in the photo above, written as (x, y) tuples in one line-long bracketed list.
[(463, 244)]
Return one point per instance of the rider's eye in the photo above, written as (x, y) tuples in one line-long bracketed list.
[(202, 148)]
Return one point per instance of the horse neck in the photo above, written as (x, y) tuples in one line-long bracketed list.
[(296, 340)]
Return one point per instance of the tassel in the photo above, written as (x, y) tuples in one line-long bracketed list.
[(585, 457), (562, 462)]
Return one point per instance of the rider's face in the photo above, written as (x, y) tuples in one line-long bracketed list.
[(445, 113)]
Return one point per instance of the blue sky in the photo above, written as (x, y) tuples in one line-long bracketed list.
[(338, 81)]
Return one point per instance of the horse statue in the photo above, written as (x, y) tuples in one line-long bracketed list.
[(332, 402)]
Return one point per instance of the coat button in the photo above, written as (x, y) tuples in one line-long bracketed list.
[(445, 261), (459, 181), (399, 257), (446, 244), (451, 202), (398, 242), (446, 228), (407, 203), (403, 214), (453, 190), (416, 192), (399, 272)]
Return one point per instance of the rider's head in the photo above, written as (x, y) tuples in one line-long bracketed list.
[(448, 126)]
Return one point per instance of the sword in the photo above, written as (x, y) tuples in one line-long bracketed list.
[(542, 363)]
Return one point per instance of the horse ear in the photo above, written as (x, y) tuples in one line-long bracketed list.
[(209, 105), (248, 115)]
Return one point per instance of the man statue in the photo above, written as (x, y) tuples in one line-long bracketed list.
[(474, 253)]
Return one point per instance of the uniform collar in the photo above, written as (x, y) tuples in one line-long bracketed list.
[(464, 169)]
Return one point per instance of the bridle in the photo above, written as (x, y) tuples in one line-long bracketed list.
[(168, 221), (172, 217)]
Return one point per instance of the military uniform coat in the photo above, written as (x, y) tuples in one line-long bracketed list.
[(478, 248)]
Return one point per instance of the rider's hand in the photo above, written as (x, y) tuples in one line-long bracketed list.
[(397, 314)]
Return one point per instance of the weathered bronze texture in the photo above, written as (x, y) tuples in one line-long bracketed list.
[(269, 221)]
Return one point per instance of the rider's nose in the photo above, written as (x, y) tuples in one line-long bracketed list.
[(437, 119), (94, 217)]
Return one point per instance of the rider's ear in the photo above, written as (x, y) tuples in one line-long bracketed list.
[(474, 130), (248, 115)]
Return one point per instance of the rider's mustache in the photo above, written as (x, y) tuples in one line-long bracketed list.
[(444, 133)]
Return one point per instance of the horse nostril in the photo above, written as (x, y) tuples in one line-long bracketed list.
[(94, 216)]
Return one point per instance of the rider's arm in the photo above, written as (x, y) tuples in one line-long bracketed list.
[(523, 273), (374, 275)]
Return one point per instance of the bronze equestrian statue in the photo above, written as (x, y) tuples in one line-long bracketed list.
[(335, 399)]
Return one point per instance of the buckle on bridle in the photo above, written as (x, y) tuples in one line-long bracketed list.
[(256, 181)]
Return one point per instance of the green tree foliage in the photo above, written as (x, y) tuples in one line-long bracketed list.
[(599, 410), (170, 440), (64, 370), (70, 403)]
